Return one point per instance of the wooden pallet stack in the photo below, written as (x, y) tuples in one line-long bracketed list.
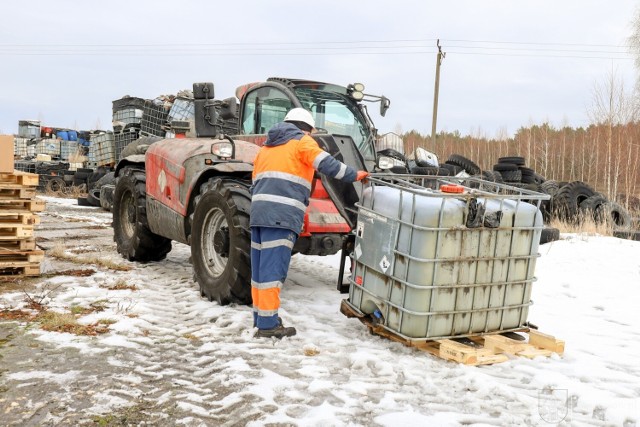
[(18, 217)]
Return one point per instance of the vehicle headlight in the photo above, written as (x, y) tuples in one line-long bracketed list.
[(222, 149)]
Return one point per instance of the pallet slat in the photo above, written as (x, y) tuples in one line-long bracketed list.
[(12, 258), (33, 205), (19, 216), (26, 270), (14, 232), (10, 192), (17, 245), (20, 178)]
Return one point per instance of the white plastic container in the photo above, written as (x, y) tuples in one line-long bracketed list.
[(427, 275)]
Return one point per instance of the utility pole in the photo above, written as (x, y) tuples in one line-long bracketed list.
[(436, 90)]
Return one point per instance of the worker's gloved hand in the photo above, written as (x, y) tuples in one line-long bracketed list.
[(361, 176)]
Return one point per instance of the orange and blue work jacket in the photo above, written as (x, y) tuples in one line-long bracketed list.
[(282, 176)]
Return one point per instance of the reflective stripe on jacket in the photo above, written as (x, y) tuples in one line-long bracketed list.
[(282, 176)]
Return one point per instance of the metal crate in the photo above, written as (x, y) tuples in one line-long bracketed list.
[(154, 118), (20, 146), (68, 149), (122, 139), (103, 149), (430, 264)]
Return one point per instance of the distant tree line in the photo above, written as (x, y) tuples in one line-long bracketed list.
[(606, 156)]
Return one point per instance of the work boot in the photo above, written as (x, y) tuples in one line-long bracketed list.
[(278, 332)]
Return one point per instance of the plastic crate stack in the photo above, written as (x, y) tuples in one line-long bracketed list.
[(18, 217), (127, 120), (48, 146)]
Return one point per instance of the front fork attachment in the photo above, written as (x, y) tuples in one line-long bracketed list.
[(347, 248)]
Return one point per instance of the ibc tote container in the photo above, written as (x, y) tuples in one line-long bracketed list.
[(427, 271)]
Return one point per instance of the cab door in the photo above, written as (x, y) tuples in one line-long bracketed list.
[(261, 108)]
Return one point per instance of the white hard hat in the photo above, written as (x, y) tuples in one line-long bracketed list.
[(300, 115)]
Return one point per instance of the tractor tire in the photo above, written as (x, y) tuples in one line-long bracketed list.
[(470, 167), (106, 196), (619, 216), (134, 240), (566, 201), (549, 234), (453, 169), (221, 241), (139, 146), (422, 170), (56, 185), (595, 207), (501, 167), (516, 160), (511, 176), (549, 187)]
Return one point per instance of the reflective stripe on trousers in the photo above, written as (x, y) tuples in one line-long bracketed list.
[(270, 257)]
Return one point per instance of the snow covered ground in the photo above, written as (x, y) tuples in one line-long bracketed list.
[(182, 360)]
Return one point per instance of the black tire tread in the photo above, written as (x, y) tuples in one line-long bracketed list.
[(144, 245)]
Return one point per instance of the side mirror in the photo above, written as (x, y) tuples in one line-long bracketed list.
[(229, 109), (425, 158), (384, 105)]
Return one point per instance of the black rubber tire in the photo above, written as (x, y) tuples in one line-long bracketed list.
[(528, 175), (511, 176), (627, 234), (500, 167), (108, 178), (516, 160), (132, 148), (620, 216), (93, 198), (549, 187), (595, 207), (470, 167), (82, 201), (55, 185), (134, 240), (422, 170), (549, 234), (566, 201), (444, 171), (399, 170), (93, 178), (106, 196), (453, 169), (221, 241)]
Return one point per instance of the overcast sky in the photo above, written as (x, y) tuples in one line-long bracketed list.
[(508, 63)]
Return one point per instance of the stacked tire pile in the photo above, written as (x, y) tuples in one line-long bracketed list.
[(570, 201)]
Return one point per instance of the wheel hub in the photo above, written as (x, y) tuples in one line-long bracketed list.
[(221, 241)]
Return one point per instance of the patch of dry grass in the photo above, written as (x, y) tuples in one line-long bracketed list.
[(120, 285), (584, 223), (67, 322), (59, 251)]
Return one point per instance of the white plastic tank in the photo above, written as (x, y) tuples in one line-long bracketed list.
[(428, 275)]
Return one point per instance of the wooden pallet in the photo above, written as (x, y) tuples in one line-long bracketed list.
[(12, 258), (13, 191), (18, 216), (20, 178), (33, 205), (15, 231), (476, 350), (21, 270), (17, 245)]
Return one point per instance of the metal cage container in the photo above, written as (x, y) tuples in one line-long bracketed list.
[(429, 264)]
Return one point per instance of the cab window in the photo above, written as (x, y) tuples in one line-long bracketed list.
[(264, 108)]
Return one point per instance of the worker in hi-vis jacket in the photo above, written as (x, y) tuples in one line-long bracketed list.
[(282, 174)]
